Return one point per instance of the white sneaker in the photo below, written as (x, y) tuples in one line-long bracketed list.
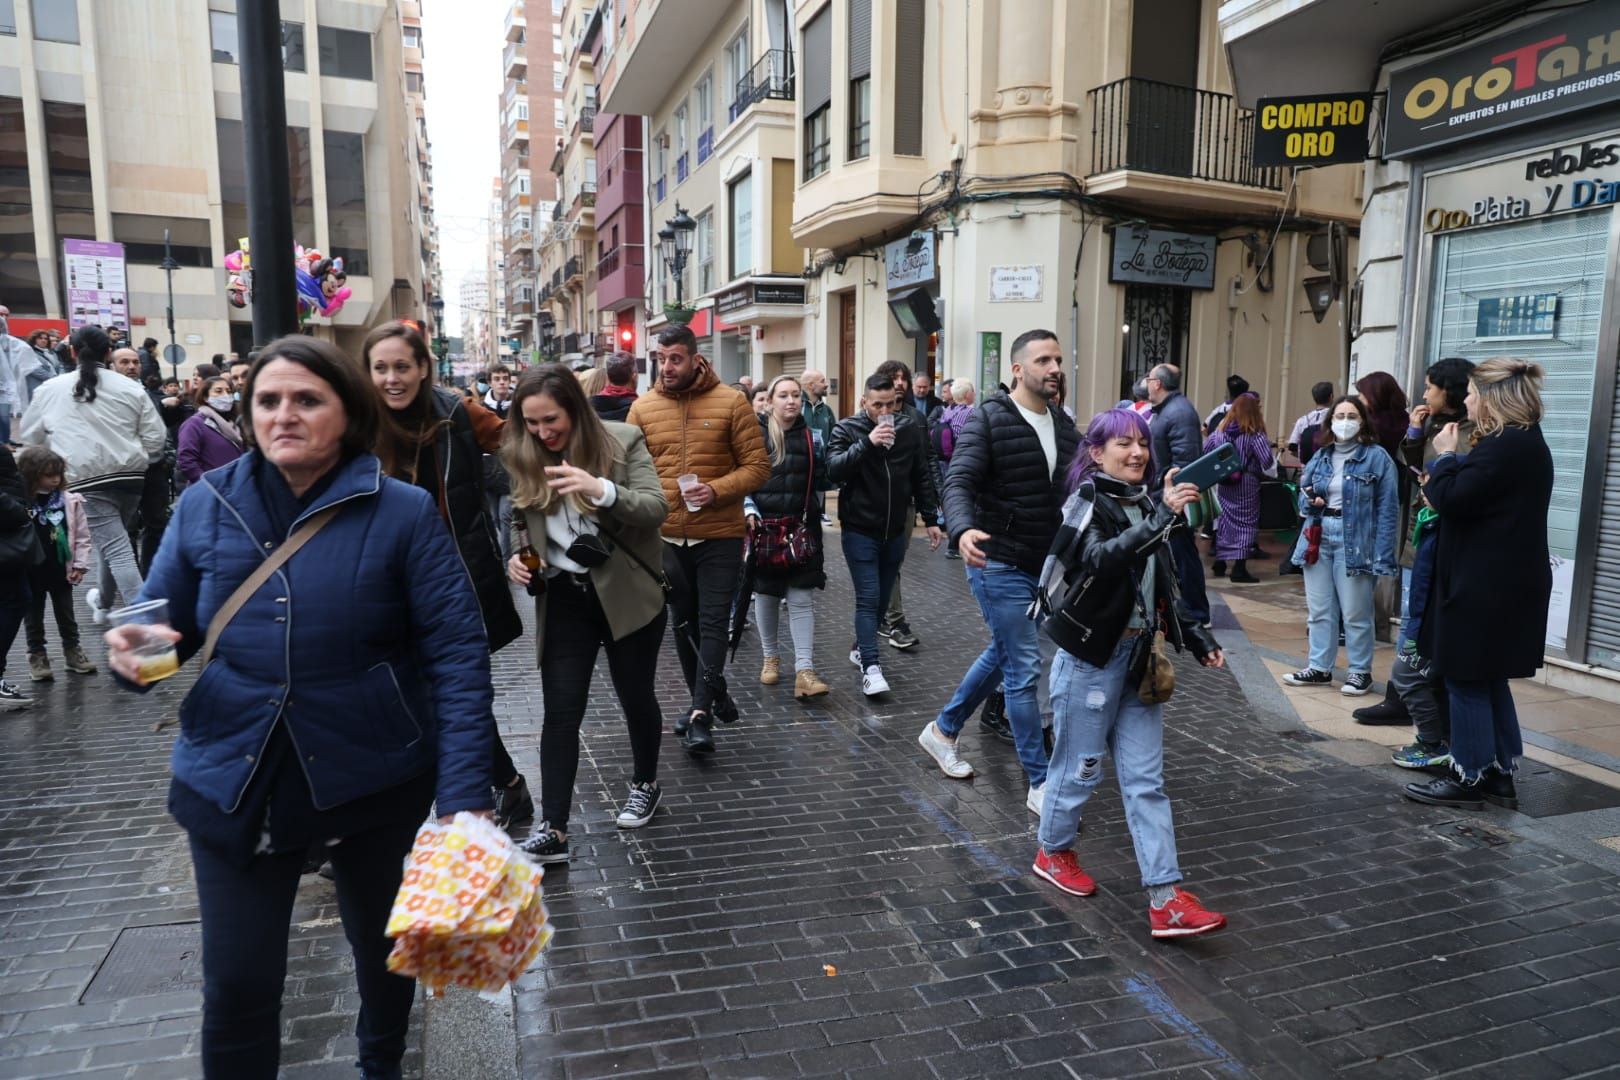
[(98, 614), (1037, 795), (873, 682), (855, 656), (943, 751)]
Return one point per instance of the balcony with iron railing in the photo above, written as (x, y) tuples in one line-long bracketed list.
[(771, 77), (572, 269), (1140, 126), (705, 144), (584, 198)]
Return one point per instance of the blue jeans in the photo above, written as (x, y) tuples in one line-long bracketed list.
[(1331, 593), (1095, 711), (1013, 658), (1190, 575), (1484, 727), (874, 565)]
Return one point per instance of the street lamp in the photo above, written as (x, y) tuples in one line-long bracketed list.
[(169, 265), (675, 244)]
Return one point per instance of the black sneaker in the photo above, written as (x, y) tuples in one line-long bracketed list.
[(12, 696), (513, 804), (699, 736), (1447, 791), (640, 806), (1356, 684), (1388, 711), (546, 845), (900, 636), (885, 631), (1308, 677)]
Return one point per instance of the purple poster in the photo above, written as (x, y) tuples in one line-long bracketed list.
[(95, 283)]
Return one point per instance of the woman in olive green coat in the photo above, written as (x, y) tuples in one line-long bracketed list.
[(587, 494)]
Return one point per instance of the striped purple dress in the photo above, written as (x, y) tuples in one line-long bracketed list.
[(1239, 524)]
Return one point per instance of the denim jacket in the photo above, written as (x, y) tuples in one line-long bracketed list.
[(1372, 510)]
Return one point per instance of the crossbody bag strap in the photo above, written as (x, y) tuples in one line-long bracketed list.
[(238, 599), (658, 576), (810, 472)]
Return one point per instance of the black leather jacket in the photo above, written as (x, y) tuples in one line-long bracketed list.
[(876, 486), (1102, 566)]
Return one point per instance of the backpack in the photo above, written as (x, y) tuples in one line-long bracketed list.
[(943, 438)]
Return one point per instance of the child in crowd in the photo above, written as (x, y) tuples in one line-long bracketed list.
[(64, 534)]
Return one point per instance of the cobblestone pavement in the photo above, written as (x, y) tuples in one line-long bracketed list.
[(818, 899)]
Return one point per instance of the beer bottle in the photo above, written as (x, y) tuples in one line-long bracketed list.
[(526, 554)]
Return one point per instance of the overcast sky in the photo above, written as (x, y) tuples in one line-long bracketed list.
[(463, 42)]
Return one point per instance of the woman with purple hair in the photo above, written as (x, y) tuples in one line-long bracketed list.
[(1238, 527), (1107, 589)]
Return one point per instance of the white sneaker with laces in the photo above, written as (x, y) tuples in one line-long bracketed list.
[(943, 751), (855, 656), (1036, 799), (873, 682), (98, 614)]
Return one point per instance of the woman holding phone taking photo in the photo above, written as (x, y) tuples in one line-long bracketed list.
[(588, 496)]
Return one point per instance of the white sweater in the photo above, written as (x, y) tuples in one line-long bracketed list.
[(110, 439)]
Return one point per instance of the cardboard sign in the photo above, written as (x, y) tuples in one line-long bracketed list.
[(1311, 129)]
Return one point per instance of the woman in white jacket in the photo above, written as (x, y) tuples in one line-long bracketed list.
[(107, 430)]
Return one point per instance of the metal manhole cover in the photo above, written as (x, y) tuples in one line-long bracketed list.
[(1548, 792), (147, 960)]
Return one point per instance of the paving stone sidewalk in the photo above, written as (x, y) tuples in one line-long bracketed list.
[(817, 899)]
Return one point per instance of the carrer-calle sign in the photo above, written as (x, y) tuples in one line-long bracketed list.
[(1568, 62)]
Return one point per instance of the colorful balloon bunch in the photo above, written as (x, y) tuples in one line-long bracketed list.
[(319, 281)]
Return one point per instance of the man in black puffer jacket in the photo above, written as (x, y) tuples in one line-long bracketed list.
[(1004, 501), (879, 460)]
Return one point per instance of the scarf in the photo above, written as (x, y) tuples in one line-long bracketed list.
[(220, 423), (1077, 511), (50, 516)]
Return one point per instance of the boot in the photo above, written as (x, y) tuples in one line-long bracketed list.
[(807, 684), (993, 717), (1497, 787), (1389, 711), (771, 673), (39, 667), (77, 662), (1218, 568), (1241, 575)]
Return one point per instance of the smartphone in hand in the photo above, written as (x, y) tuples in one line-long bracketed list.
[(1219, 464)]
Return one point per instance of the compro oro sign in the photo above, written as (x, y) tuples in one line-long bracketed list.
[(1568, 62), (1313, 129)]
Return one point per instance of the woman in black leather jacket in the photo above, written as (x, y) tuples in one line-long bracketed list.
[(1108, 585)]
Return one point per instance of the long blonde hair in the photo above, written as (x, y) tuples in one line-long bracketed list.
[(590, 446), (773, 425), (591, 380), (1509, 389)]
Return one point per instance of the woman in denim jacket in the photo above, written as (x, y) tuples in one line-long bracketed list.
[(1352, 491)]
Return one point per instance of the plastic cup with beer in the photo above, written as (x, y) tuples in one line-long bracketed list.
[(686, 482), (155, 655)]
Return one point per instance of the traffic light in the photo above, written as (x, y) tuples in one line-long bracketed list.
[(627, 340)]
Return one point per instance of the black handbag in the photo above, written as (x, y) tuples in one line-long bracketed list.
[(20, 548)]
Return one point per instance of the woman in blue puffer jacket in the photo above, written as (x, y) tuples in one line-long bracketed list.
[(349, 694)]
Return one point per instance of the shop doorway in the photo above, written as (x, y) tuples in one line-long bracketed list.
[(1157, 319), (848, 393)]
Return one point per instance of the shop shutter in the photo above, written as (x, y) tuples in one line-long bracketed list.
[(818, 61), (1563, 255), (860, 39), (908, 76), (793, 364)]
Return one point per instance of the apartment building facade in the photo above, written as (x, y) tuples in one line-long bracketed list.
[(528, 106), (102, 141), (568, 263)]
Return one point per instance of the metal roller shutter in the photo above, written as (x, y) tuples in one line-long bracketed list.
[(1563, 255), (818, 61), (860, 39), (908, 76)]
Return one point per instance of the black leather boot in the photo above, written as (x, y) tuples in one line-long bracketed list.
[(993, 717), (1497, 787), (1389, 711)]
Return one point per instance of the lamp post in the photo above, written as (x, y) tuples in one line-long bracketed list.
[(169, 266), (441, 344), (675, 245)]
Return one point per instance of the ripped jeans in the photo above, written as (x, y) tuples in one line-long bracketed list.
[(1095, 712)]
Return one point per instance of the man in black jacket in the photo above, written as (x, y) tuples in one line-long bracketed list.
[(879, 460), (1004, 498), (1178, 441), (893, 627)]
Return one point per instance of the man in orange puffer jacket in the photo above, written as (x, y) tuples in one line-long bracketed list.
[(697, 426)]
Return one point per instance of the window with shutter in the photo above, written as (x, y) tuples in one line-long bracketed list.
[(817, 93), (908, 76)]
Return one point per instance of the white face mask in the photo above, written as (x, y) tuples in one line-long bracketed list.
[(1345, 430), (220, 404)]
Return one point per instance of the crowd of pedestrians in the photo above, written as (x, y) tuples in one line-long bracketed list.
[(349, 687)]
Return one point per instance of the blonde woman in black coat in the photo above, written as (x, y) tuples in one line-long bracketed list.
[(1493, 505)]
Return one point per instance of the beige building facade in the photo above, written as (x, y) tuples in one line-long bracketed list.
[(107, 141)]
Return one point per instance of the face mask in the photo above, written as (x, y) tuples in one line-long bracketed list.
[(1345, 430), (483, 388), (236, 395), (220, 404)]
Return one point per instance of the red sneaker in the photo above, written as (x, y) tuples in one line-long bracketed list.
[(1183, 917), (1062, 869)]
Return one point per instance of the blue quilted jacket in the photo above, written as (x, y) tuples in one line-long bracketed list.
[(368, 643)]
